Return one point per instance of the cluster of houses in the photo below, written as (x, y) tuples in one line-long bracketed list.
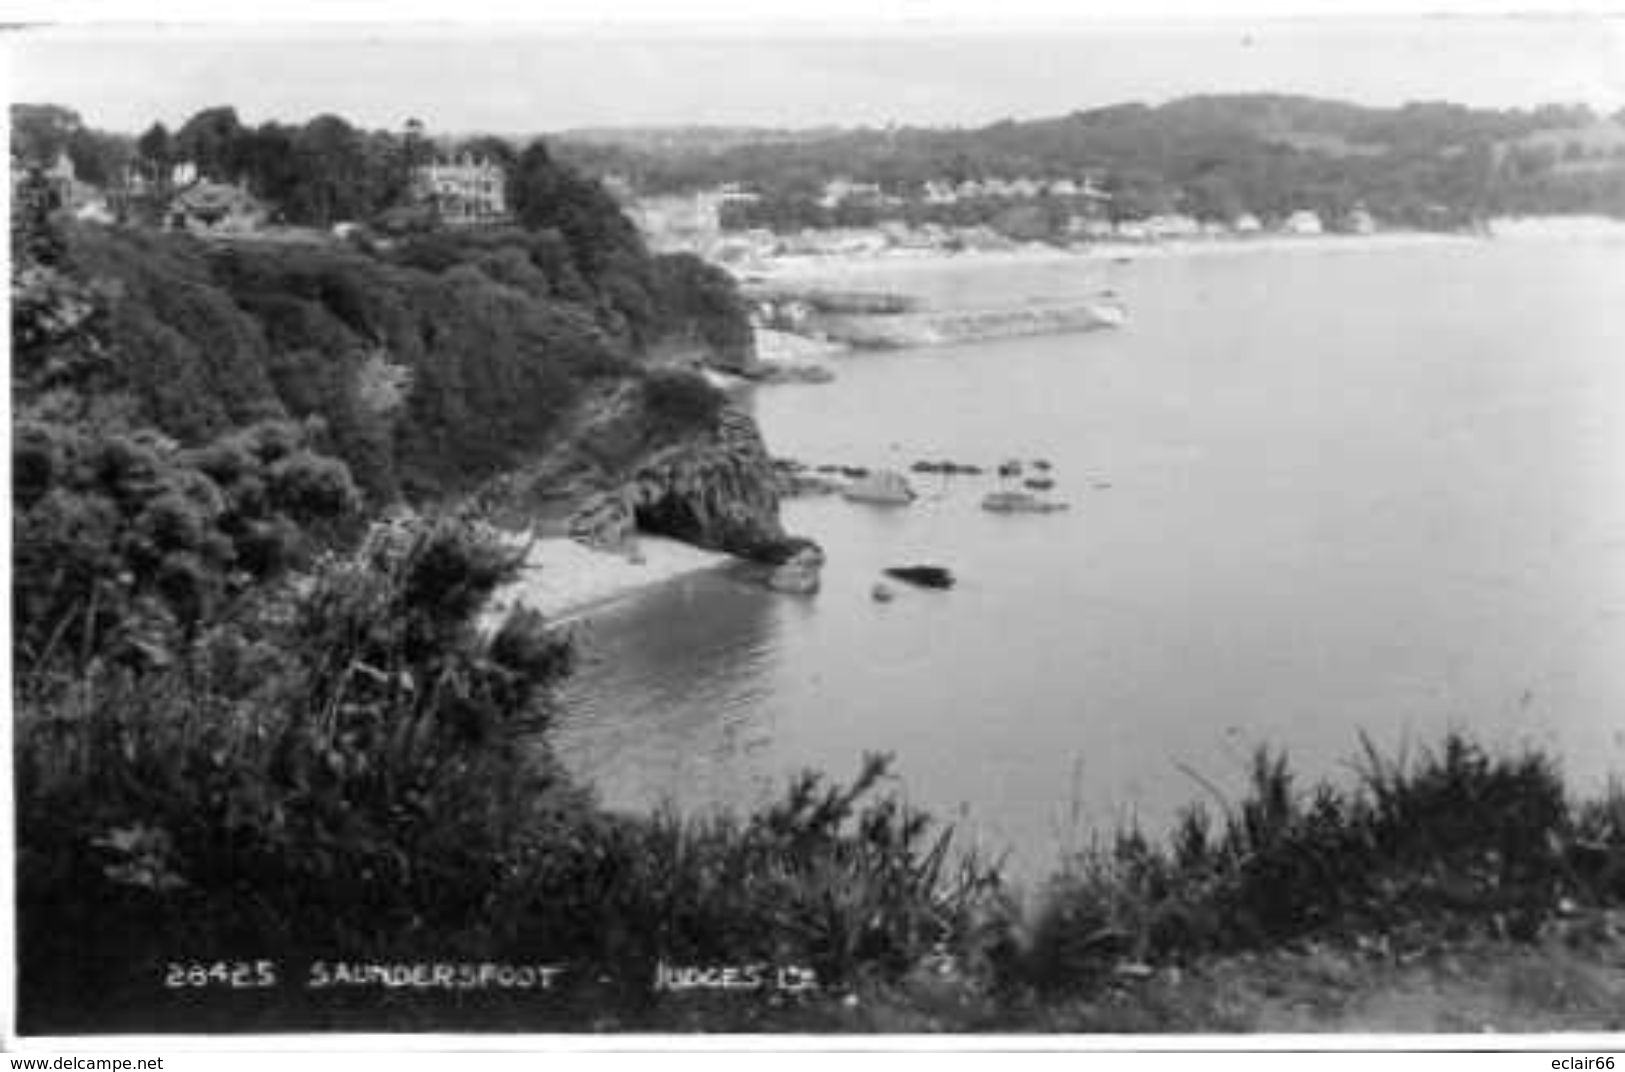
[(1089, 200), (696, 217), (466, 189), (682, 218), (841, 191), (1176, 225), (689, 224), (177, 198), (63, 187), (694, 221), (461, 190)]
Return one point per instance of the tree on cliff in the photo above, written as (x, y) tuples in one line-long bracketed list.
[(155, 147), (697, 300), (332, 178), (41, 131), (545, 194), (213, 140)]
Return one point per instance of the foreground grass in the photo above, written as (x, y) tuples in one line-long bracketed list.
[(1570, 978), (1458, 844)]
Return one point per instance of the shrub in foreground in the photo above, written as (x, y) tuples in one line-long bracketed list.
[(843, 879), (123, 540), (345, 767), (343, 772), (1458, 843)]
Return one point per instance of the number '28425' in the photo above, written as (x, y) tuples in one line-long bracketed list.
[(233, 975)]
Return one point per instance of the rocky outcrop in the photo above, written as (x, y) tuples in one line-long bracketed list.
[(878, 320), (884, 488), (1019, 502), (946, 468), (793, 309), (944, 328), (800, 574), (718, 492), (791, 372), (923, 576), (605, 521), (712, 486), (795, 484)]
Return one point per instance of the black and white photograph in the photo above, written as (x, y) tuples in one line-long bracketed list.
[(855, 529)]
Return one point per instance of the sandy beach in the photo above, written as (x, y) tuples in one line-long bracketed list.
[(786, 348), (566, 580), (809, 269), (1558, 227), (813, 269)]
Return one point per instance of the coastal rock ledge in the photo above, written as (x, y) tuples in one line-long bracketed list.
[(713, 487)]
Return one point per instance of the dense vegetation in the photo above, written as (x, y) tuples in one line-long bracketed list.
[(319, 173), (249, 724), (1423, 164), (431, 365), (1458, 843)]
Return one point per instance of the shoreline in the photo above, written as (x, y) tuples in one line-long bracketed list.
[(805, 268), (565, 580)]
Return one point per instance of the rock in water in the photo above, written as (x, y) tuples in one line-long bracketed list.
[(800, 574), (882, 593), (885, 487), (798, 484), (1019, 502), (924, 576), (792, 372)]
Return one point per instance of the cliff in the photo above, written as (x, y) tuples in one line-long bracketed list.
[(625, 465), (501, 365)]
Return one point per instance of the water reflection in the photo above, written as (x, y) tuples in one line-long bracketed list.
[(670, 702)]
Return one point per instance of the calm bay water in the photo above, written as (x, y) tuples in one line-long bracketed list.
[(1375, 489)]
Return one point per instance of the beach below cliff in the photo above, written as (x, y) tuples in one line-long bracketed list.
[(891, 264), (856, 268), (566, 580)]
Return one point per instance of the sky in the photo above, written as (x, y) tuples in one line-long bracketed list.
[(515, 79)]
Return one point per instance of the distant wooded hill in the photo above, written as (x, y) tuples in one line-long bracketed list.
[(1424, 164)]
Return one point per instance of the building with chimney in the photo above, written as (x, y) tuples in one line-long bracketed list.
[(463, 190)]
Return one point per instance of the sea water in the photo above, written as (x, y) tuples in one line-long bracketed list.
[(1313, 493)]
